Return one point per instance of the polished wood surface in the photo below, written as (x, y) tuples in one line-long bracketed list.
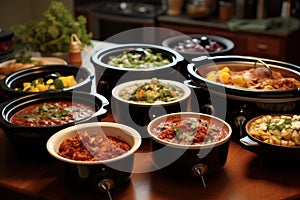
[(244, 176)]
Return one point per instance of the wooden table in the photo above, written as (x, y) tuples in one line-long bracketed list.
[(244, 176)]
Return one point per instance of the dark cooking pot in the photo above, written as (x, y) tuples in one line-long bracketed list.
[(278, 154), (33, 138), (203, 65), (189, 45), (16, 79), (190, 160), (139, 114), (108, 76), (241, 104), (98, 175)]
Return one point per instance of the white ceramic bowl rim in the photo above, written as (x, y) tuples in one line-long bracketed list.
[(116, 90), (55, 140), (189, 114)]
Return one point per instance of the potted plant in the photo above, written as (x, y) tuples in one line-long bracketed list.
[(52, 33)]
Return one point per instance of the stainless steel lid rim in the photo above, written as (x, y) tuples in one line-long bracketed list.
[(243, 93), (252, 58)]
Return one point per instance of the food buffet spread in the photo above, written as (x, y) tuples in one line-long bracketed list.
[(182, 119)]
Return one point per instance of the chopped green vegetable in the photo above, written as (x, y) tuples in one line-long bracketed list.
[(58, 84), (144, 60)]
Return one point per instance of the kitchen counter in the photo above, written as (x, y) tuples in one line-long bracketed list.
[(244, 176), (214, 23)]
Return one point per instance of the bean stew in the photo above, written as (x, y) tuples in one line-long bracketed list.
[(189, 131), (92, 146), (51, 113)]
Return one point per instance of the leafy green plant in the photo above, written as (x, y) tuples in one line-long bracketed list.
[(52, 33)]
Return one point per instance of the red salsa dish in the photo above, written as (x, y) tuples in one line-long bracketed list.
[(92, 147), (189, 131), (51, 113)]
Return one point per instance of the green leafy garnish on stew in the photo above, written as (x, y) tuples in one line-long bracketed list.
[(51, 113), (144, 60)]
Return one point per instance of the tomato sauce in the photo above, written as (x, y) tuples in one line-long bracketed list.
[(92, 146), (189, 131), (51, 113)]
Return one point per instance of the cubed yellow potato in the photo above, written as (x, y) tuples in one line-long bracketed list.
[(291, 143), (211, 76), (275, 140), (284, 143), (265, 137), (42, 87), (258, 121), (238, 81), (33, 89), (224, 77), (68, 80), (296, 140), (51, 87), (268, 87), (26, 84), (252, 132), (71, 80), (224, 69), (37, 81), (287, 135), (49, 81), (262, 132), (267, 141), (27, 88), (64, 81)]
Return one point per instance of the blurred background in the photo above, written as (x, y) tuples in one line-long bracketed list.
[(18, 11)]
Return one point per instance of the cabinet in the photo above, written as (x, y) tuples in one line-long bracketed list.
[(264, 44)]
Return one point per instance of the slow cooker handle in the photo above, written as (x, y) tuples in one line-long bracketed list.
[(200, 170), (239, 122), (208, 109), (105, 185), (250, 145), (104, 101)]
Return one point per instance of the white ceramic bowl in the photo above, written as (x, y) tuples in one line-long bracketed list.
[(92, 174), (120, 131), (138, 115), (134, 84)]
